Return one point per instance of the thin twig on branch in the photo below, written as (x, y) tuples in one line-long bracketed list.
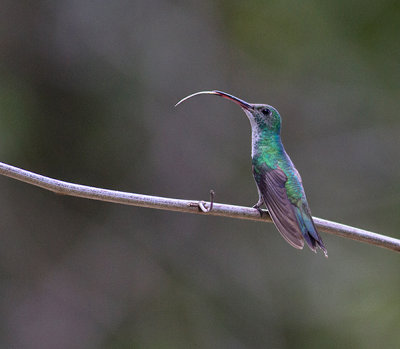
[(190, 206)]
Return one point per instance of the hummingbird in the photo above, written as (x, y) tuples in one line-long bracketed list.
[(278, 182)]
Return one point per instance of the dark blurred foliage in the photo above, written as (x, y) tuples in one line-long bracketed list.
[(87, 90)]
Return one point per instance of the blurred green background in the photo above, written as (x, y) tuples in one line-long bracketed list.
[(87, 90)]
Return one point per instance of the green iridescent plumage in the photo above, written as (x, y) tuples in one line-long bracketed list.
[(279, 184)]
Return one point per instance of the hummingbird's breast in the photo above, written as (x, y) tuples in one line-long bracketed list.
[(267, 146), (269, 152)]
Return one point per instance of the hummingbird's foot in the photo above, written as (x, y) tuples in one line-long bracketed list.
[(202, 205), (259, 210), (258, 205)]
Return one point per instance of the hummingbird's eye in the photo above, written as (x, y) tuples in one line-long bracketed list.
[(266, 111)]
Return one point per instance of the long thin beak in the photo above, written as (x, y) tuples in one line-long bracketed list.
[(234, 99)]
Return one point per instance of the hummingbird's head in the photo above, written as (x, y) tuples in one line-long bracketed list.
[(262, 116)]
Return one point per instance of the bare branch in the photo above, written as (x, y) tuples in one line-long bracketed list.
[(190, 206)]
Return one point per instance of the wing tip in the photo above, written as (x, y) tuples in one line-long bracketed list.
[(296, 243)]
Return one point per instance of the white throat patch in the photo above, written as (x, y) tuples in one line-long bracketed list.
[(255, 134)]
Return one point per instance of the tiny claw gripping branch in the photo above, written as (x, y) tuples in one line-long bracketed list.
[(202, 205)]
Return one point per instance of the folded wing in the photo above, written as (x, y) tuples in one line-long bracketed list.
[(271, 183), (293, 220)]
